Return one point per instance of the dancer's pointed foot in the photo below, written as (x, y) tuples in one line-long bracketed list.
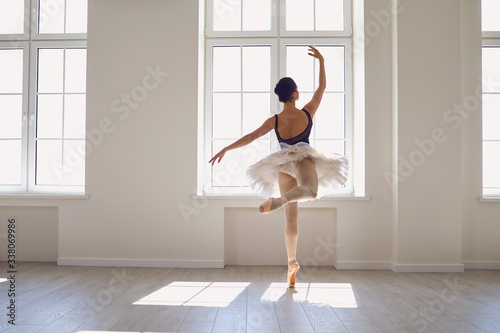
[(293, 268), (272, 204)]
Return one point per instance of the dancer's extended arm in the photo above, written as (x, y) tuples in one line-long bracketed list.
[(313, 105), (249, 138)]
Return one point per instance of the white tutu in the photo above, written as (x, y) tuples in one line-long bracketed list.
[(332, 169)]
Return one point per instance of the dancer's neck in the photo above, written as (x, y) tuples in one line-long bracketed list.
[(289, 106)]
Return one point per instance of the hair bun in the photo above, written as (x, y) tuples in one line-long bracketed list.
[(285, 88)]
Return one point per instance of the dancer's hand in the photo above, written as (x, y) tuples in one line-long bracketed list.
[(315, 53), (219, 156)]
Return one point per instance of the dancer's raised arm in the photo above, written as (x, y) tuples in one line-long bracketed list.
[(313, 105), (247, 139)]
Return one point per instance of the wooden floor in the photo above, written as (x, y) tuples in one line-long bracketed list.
[(55, 299)]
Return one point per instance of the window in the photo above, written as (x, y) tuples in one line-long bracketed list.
[(42, 96), (491, 96), (250, 44)]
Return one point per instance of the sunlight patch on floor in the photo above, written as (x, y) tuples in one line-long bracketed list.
[(337, 295), (221, 294), (185, 293), (119, 332)]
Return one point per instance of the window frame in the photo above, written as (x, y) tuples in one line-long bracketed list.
[(278, 24), (348, 91), (274, 104), (36, 36), (209, 32), (490, 39), (32, 186), (277, 39), (489, 42), (25, 46), (26, 34), (31, 41), (347, 32)]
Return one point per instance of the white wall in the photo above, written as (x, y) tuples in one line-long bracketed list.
[(142, 171), (251, 241), (34, 233), (429, 155)]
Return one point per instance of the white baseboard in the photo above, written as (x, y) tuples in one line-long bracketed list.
[(362, 265), (481, 264), (444, 268), (141, 263), (433, 268)]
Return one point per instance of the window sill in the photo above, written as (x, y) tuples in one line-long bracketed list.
[(258, 198), (79, 196), (489, 199)]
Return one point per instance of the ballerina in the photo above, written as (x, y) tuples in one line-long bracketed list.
[(297, 172)]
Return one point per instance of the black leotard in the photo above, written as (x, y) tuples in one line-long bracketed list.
[(302, 137)]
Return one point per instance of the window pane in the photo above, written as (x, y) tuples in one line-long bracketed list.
[(250, 154), (51, 16), (491, 164), (300, 15), (304, 98), (74, 116), (330, 146), (491, 117), (491, 69), (49, 162), (76, 70), (11, 17), (226, 69), (300, 67), (256, 68), (329, 120), (256, 151), (226, 115), (334, 67), (329, 15), (256, 109), (227, 15), (223, 173), (11, 69), (76, 16), (74, 162), (490, 15), (49, 116), (10, 168), (257, 15), (231, 172), (50, 70), (11, 114)]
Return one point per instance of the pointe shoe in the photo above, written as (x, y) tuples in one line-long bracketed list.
[(292, 271), (265, 208)]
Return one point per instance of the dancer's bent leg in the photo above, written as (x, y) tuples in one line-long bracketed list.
[(307, 188), (307, 178)]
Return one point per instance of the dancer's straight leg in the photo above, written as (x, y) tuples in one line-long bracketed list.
[(286, 183)]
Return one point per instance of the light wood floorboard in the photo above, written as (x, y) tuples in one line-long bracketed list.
[(248, 299)]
